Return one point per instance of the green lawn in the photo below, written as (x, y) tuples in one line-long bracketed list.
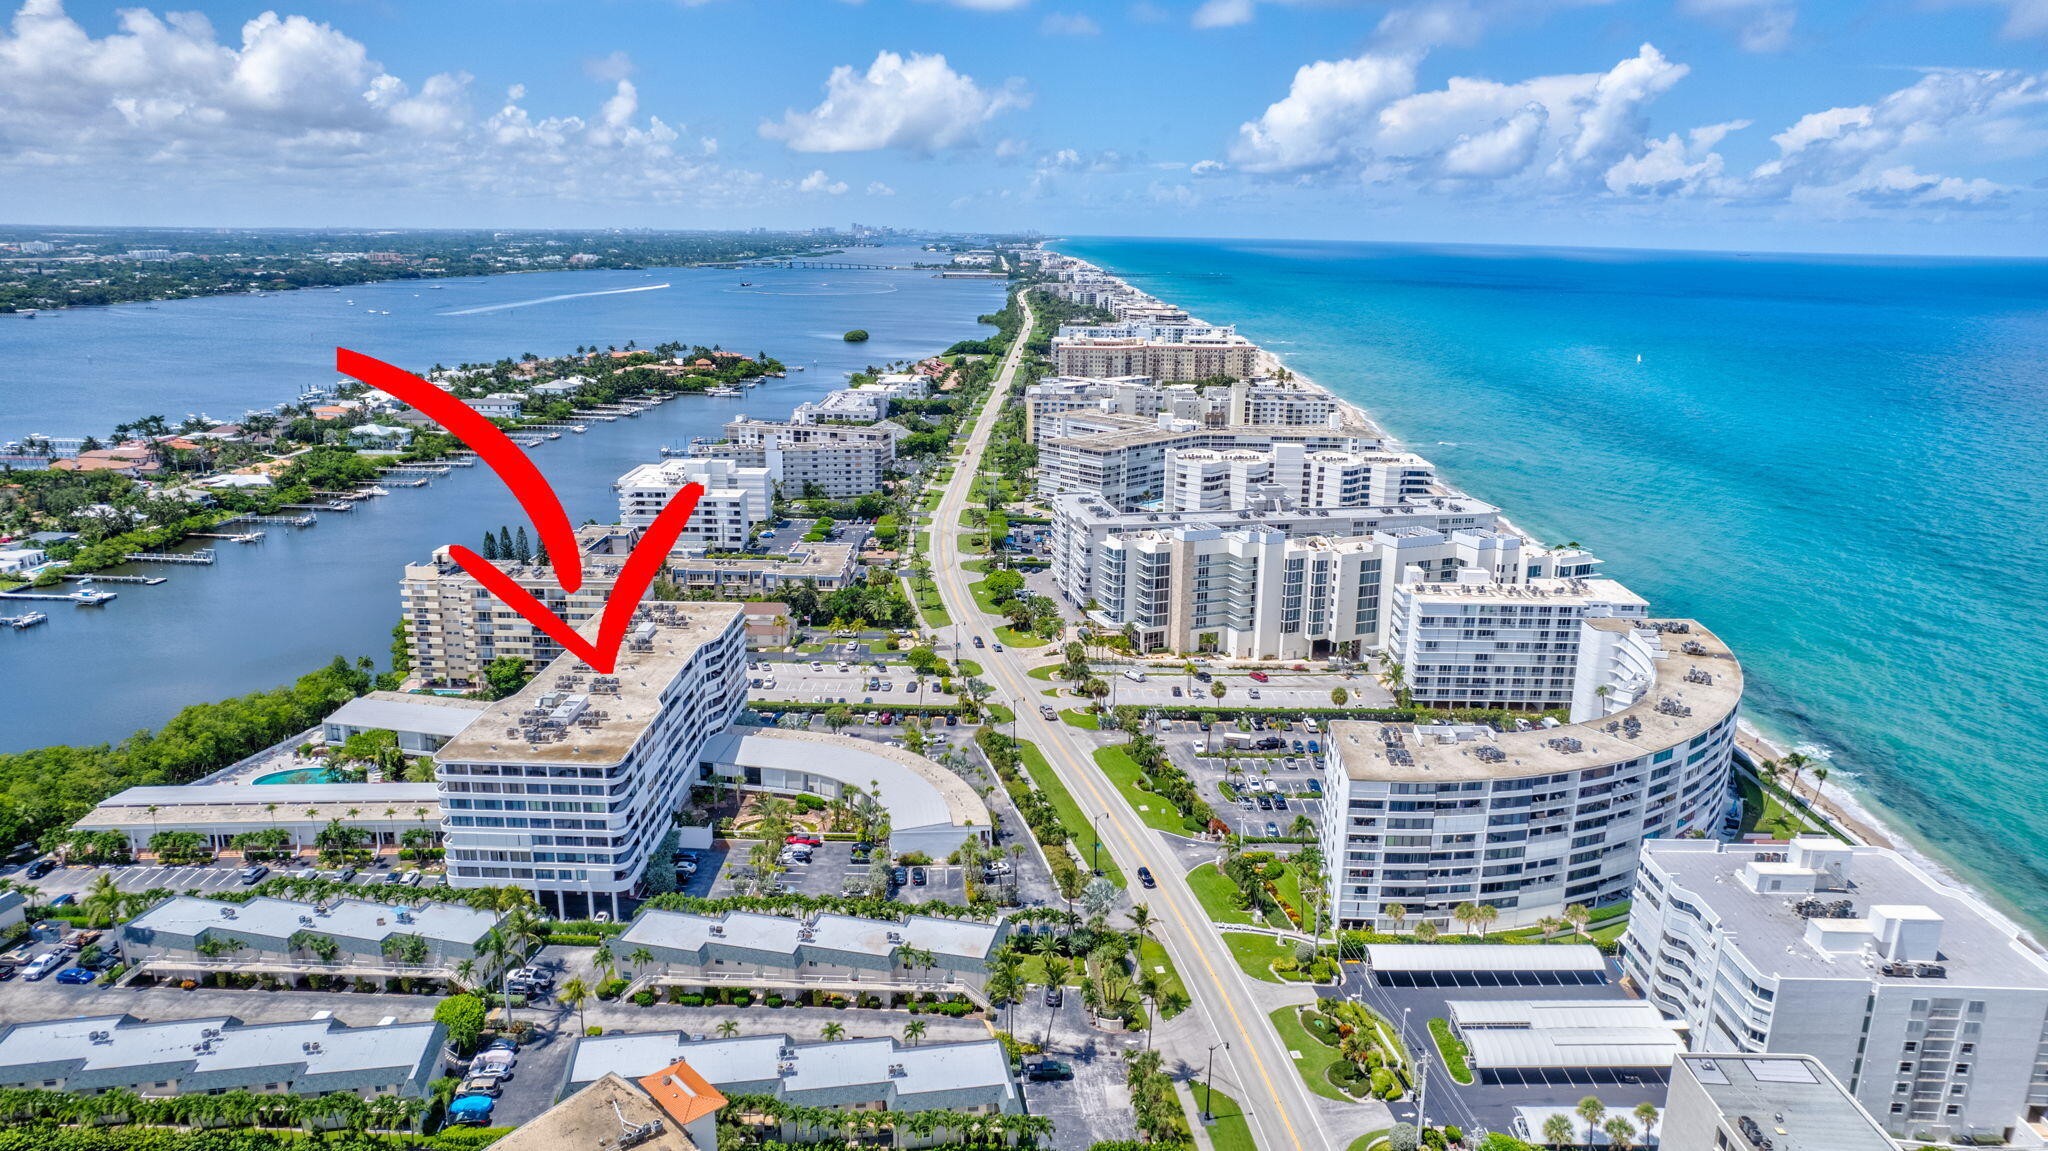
[(1288, 883), (982, 598), (1217, 894), (1085, 720), (967, 667), (1456, 1056), (1230, 1132), (998, 713), (1763, 811), (1257, 953), (1365, 1142), (1044, 673), (1015, 638), (1316, 1056), (1124, 772), (1071, 815), (1032, 970), (1152, 956)]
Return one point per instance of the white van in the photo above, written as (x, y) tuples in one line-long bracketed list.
[(1135, 676)]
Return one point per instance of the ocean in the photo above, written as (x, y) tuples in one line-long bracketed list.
[(1837, 463)]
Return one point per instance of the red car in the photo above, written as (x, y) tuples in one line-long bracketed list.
[(806, 840), (1261, 677)]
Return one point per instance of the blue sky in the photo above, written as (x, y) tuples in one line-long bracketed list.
[(1884, 126)]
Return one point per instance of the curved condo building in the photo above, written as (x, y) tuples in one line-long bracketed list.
[(1535, 814)]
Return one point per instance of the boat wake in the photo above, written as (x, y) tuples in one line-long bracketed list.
[(477, 311)]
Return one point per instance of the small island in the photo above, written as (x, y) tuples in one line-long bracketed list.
[(856, 336)]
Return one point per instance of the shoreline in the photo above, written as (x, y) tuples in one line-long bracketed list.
[(1838, 803)]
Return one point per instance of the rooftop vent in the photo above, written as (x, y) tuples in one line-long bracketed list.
[(1753, 1133), (896, 1071)]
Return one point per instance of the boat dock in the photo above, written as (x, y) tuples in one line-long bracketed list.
[(292, 521), (97, 577), (417, 470), (24, 622), (89, 597), (202, 556), (329, 506), (240, 538)]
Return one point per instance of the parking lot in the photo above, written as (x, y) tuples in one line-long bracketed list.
[(827, 681), (149, 876), (1281, 689), (1480, 1106)]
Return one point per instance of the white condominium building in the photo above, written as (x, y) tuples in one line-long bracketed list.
[(1127, 467), (1926, 1003), (1242, 403), (1486, 642), (1726, 1102), (1162, 351), (863, 403), (735, 499), (566, 787), (1533, 817), (1210, 479), (833, 461), (1259, 593)]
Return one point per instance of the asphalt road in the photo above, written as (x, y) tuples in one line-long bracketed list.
[(1277, 1103)]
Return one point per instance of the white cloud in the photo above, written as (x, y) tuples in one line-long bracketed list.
[(1759, 25), (1329, 105), (915, 103), (877, 188), (1673, 164), (610, 67), (818, 181), (1069, 24), (1903, 187), (2022, 17), (1612, 123), (297, 102), (1207, 168), (1222, 13), (1500, 151)]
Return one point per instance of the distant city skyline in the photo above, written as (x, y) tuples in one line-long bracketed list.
[(1907, 126)]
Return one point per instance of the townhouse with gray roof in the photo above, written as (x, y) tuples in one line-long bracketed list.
[(342, 937), (208, 1056), (854, 1074), (917, 953)]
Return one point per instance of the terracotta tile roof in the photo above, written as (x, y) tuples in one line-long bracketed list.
[(684, 1094)]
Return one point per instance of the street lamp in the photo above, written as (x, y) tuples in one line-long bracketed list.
[(1209, 1082), (1095, 857)]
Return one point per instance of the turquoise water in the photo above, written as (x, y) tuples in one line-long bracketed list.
[(303, 775), (1836, 463)]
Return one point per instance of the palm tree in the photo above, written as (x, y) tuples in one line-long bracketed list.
[(1646, 1115), (914, 1031), (1557, 1131), (1578, 915), (1592, 1111), (833, 1030), (728, 1029), (1621, 1133), (1550, 925), (1820, 776), (639, 958), (1793, 764), (1487, 913), (1466, 914), (1395, 913), (1426, 931), (575, 993)]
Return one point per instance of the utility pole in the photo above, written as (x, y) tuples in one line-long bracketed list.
[(1209, 1082)]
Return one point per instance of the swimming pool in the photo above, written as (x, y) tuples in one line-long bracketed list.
[(303, 775)]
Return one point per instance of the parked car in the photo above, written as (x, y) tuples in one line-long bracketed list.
[(1177, 693), (75, 975), (1265, 804), (412, 878), (806, 840), (1315, 787), (506, 1042), (899, 876), (1145, 877), (64, 900), (8, 971), (1203, 677), (1048, 1070), (40, 868), (42, 965), (1297, 747), (480, 1085), (1254, 692), (393, 877), (1272, 830), (1314, 748), (1261, 677), (496, 1064), (1055, 995), (1279, 803), (917, 877)]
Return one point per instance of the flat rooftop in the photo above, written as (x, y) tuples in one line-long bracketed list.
[(184, 1047), (781, 935), (1979, 947), (399, 711), (1552, 589), (917, 792), (1285, 433), (800, 561), (1093, 508), (839, 1066), (1484, 957), (1565, 1033), (349, 918), (1697, 674), (1799, 1106), (232, 803), (614, 711), (591, 1119)]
